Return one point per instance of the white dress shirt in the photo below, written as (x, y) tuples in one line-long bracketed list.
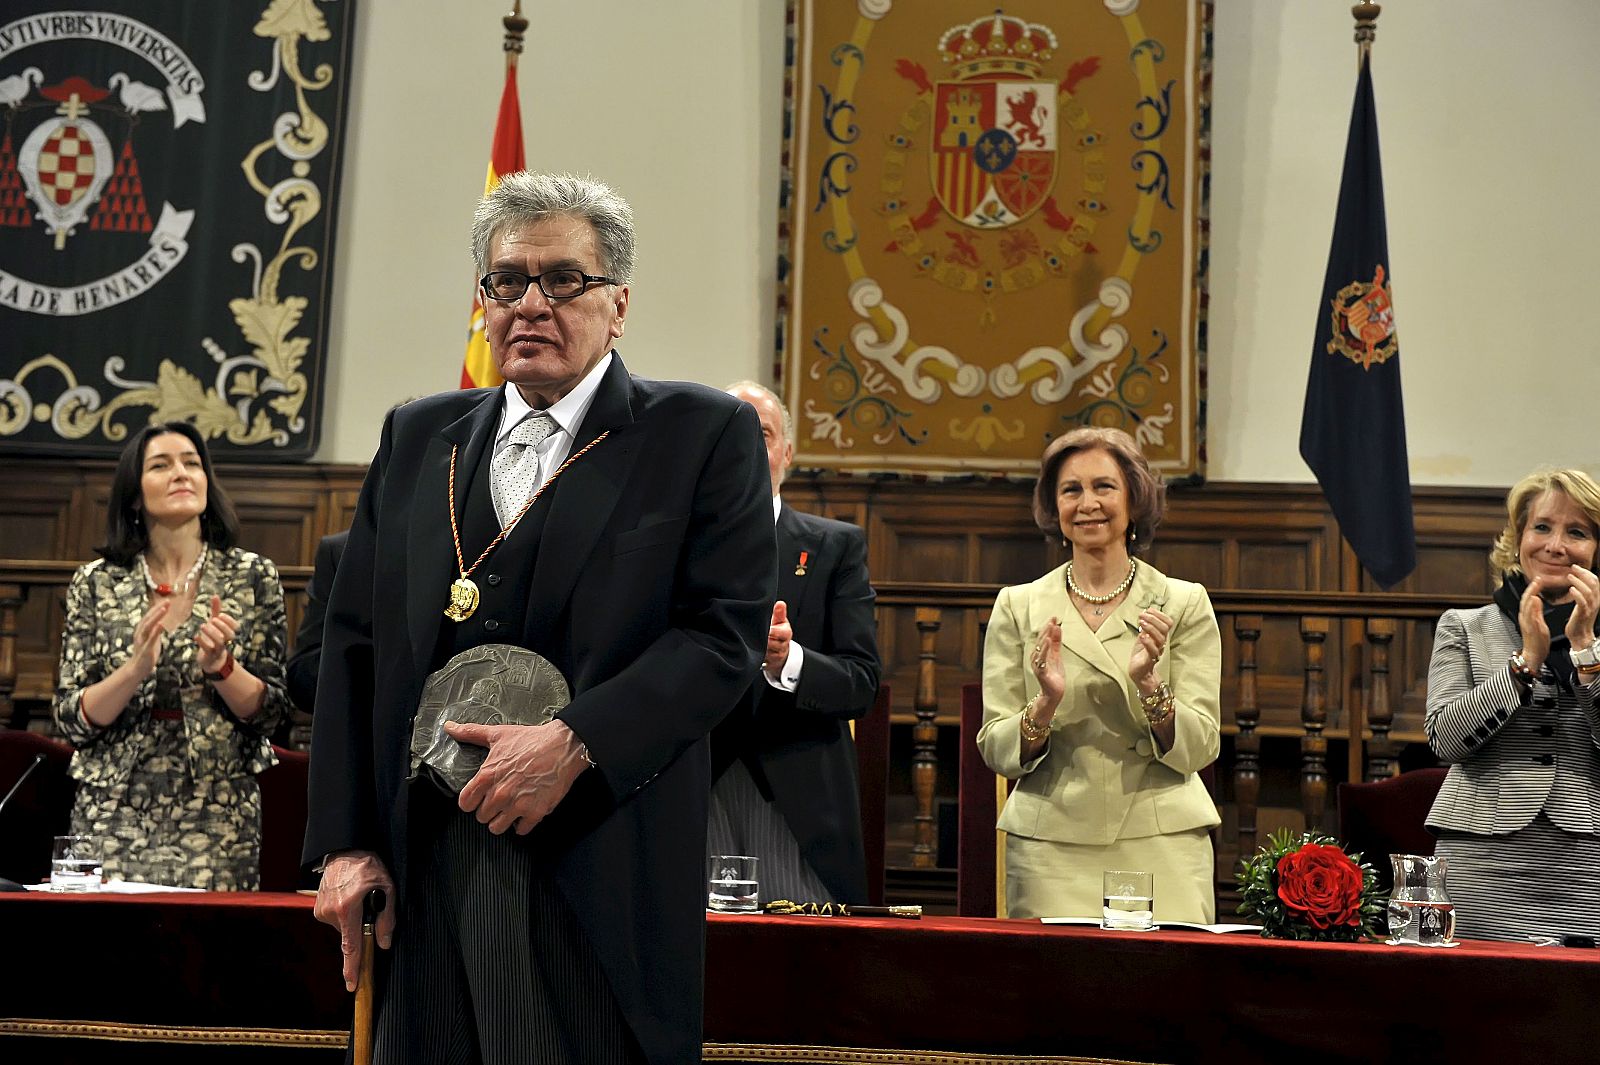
[(788, 678), (568, 413)]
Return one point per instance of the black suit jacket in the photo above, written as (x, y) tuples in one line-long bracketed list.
[(798, 744), (652, 592), (300, 673)]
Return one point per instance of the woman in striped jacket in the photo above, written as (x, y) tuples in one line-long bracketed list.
[(1512, 707)]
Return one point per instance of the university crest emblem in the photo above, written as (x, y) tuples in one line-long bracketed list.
[(66, 160), (1363, 322), (66, 175)]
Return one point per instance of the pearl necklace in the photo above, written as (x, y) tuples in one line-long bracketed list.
[(165, 590), (1101, 600)]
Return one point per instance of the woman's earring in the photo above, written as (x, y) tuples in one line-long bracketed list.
[(1133, 534)]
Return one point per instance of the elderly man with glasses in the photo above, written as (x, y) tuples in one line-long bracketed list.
[(621, 529)]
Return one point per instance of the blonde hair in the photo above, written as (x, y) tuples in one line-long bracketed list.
[(1147, 493), (1574, 484)]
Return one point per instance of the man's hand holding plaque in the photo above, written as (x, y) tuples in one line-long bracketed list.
[(493, 685), (528, 771)]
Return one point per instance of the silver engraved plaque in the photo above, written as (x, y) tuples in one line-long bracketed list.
[(493, 684)]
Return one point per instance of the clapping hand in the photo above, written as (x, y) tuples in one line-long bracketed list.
[(1155, 628), (148, 637), (1530, 619), (1585, 599), (779, 635), (215, 638), (1046, 662)]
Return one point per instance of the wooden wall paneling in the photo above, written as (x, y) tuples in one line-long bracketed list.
[(1003, 556), (1191, 557), (42, 513), (341, 512), (928, 554)]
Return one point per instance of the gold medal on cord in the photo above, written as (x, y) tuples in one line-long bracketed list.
[(464, 595), (463, 599)]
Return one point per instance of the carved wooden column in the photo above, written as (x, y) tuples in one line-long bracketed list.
[(10, 601), (1381, 761), (925, 739), (1247, 745), (1313, 717)]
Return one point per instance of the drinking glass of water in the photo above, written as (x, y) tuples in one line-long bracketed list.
[(1129, 901), (733, 884), (1420, 912), (75, 864)]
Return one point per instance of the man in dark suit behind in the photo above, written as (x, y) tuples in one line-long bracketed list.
[(300, 672), (787, 782), (641, 569)]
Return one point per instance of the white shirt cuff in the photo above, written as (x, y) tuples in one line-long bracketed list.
[(788, 679)]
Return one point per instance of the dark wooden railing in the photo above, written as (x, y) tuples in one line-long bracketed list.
[(1318, 616), (1363, 702), (30, 581)]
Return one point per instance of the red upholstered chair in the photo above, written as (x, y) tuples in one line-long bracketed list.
[(1386, 817), (283, 821), (980, 861), (872, 768), (41, 808)]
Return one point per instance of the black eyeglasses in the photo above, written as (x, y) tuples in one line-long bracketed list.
[(509, 285)]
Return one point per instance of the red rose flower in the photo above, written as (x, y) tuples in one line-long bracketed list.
[(1320, 884)]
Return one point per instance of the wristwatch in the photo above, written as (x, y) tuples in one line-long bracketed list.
[(1588, 658), (224, 673)]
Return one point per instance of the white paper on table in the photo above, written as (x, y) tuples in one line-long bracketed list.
[(1217, 928), (115, 887), (132, 887)]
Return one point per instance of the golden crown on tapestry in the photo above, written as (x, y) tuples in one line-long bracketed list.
[(994, 231)]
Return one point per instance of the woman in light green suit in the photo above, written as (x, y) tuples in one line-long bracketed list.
[(1100, 698)]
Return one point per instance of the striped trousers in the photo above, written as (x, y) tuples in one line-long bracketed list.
[(742, 821), (489, 964)]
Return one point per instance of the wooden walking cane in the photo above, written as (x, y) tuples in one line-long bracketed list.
[(371, 907)]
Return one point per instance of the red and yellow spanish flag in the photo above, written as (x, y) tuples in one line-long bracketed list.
[(506, 157)]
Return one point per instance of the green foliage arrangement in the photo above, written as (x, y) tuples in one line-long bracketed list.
[(1306, 887)]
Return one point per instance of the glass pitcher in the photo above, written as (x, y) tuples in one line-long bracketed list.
[(1420, 912)]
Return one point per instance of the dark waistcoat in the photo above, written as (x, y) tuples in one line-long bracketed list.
[(503, 579)]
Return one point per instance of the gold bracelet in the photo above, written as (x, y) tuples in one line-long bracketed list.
[(1155, 698), (1158, 705), (1032, 731)]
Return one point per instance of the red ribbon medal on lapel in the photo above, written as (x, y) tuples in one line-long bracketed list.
[(800, 569)]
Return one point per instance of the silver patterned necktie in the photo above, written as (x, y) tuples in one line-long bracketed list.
[(515, 470)]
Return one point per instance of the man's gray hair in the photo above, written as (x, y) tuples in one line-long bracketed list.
[(527, 197), (757, 386)]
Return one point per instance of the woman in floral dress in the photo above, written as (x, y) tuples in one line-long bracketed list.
[(171, 675)]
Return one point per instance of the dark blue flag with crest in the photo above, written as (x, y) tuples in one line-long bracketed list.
[(1353, 432)]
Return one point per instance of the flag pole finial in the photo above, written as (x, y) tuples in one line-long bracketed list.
[(1366, 16), (515, 26)]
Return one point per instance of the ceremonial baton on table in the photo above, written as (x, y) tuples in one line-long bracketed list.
[(371, 907)]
